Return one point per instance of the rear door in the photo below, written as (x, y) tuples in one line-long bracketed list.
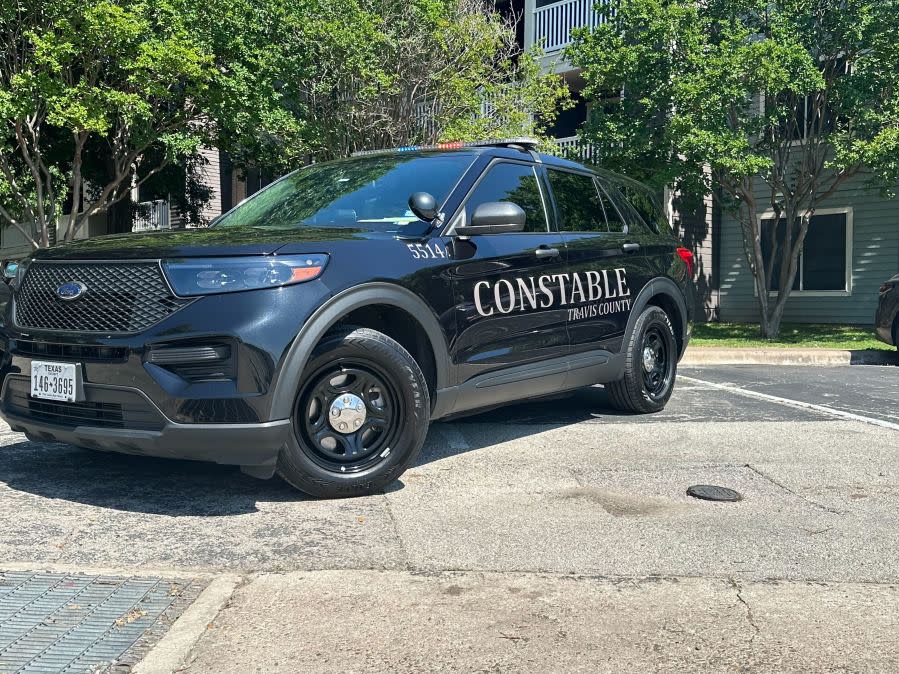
[(505, 285), (606, 264)]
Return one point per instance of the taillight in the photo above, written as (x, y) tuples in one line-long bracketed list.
[(687, 257)]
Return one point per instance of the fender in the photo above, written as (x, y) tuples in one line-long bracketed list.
[(661, 285), (327, 315)]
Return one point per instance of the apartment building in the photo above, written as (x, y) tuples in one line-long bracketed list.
[(851, 248)]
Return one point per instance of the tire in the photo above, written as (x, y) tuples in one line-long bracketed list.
[(642, 390), (355, 375)]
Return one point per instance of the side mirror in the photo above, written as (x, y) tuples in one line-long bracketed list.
[(495, 217), (423, 205)]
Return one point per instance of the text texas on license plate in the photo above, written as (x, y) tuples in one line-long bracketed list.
[(54, 381)]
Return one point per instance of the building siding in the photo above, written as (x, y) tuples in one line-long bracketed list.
[(875, 257), (211, 178)]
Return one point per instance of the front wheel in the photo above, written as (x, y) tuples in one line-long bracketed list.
[(650, 366), (360, 417)]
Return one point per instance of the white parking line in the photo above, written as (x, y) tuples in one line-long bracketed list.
[(793, 403)]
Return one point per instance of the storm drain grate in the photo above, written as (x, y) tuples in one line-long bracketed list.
[(58, 622)]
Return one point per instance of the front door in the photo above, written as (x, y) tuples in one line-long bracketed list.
[(506, 286)]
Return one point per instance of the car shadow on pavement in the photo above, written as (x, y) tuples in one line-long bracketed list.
[(136, 483), (191, 488), (516, 420)]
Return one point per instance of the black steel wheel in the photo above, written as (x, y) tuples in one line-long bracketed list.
[(650, 365), (349, 414), (655, 359), (360, 416)]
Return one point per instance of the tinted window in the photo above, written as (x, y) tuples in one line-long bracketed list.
[(578, 202), (370, 192), (511, 182), (614, 219), (645, 206)]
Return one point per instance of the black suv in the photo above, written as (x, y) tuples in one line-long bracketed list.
[(316, 328)]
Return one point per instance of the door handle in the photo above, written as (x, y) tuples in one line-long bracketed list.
[(547, 252), (630, 247)]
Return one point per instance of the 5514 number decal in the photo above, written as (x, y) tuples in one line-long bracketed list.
[(427, 251)]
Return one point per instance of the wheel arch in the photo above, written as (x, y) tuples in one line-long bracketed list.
[(359, 299), (665, 294)]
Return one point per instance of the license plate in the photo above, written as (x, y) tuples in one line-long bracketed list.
[(55, 381)]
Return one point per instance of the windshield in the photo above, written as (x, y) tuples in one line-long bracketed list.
[(365, 192)]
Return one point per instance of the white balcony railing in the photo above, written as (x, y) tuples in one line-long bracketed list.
[(573, 148), (151, 216), (553, 23)]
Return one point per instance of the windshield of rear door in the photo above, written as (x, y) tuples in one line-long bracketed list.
[(370, 192)]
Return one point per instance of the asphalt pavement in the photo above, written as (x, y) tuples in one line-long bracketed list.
[(553, 535)]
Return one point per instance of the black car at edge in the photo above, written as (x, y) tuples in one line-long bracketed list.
[(886, 319), (319, 326)]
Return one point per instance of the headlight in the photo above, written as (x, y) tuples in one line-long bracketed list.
[(14, 272), (206, 276)]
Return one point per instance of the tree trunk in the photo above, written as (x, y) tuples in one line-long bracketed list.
[(120, 216)]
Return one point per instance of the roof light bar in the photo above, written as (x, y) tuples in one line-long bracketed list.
[(526, 142)]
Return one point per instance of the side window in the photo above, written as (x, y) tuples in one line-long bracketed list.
[(577, 198), (611, 202), (646, 206), (511, 182)]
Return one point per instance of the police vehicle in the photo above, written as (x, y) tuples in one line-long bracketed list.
[(319, 326)]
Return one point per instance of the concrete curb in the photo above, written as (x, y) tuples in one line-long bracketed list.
[(715, 355), (170, 653)]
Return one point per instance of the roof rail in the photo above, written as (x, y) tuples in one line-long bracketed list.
[(525, 143)]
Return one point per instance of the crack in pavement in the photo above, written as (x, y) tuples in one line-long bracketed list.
[(406, 558), (812, 502), (750, 617)]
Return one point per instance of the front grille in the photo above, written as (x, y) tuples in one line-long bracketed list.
[(104, 415), (120, 297), (80, 352), (102, 408)]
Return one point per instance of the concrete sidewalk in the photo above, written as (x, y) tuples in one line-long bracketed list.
[(717, 355), (388, 621)]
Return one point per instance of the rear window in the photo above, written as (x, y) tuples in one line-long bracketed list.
[(369, 192), (577, 201), (646, 206)]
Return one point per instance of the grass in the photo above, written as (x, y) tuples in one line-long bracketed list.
[(801, 335)]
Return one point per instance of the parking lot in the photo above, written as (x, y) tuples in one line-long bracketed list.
[(553, 535)]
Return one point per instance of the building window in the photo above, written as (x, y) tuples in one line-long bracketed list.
[(825, 261), (802, 117)]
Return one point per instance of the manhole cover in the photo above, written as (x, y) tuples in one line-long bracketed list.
[(709, 492)]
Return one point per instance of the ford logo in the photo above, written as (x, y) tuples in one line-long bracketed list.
[(71, 290)]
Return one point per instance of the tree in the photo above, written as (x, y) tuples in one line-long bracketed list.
[(773, 104), (432, 70), (100, 97), (140, 85)]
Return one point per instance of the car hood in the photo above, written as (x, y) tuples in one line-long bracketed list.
[(209, 242)]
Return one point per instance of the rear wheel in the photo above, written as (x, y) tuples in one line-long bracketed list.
[(650, 365), (360, 416)]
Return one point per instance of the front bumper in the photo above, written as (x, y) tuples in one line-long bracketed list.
[(122, 419), (137, 405)]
